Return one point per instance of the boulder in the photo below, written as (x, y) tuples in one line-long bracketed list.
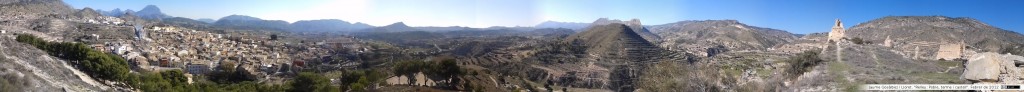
[(983, 67)]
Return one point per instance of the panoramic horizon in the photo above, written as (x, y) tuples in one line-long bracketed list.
[(508, 45), (800, 17)]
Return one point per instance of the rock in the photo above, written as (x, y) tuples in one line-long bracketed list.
[(398, 80), (983, 67)]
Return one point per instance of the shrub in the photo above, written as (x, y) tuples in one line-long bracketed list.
[(312, 82), (803, 62)]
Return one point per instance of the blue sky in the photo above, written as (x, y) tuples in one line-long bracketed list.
[(796, 16)]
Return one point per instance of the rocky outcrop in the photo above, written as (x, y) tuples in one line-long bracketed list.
[(991, 68)]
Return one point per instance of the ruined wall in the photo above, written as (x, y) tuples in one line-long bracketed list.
[(950, 51)]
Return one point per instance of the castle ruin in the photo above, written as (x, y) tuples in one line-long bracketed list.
[(950, 51), (838, 32)]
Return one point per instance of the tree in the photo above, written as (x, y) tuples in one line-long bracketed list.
[(311, 82), (273, 37), (803, 62), (175, 77)]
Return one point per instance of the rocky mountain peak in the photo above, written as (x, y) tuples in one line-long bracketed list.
[(150, 8), (151, 12), (634, 22), (397, 24)]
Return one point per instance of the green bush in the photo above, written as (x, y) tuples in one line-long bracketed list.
[(803, 62), (312, 82)]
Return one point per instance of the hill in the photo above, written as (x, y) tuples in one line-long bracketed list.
[(634, 25), (33, 8), (395, 27), (910, 31), (698, 36)]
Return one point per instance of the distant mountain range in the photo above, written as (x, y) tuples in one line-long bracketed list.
[(87, 13), (327, 25), (556, 24), (252, 23), (150, 12), (207, 20), (323, 25)]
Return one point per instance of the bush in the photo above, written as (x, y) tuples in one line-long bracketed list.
[(273, 37), (312, 82), (1015, 49), (860, 41), (803, 62), (226, 73), (363, 77)]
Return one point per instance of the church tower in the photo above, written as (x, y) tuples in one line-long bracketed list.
[(838, 32)]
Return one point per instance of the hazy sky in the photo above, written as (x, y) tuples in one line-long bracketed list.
[(797, 16)]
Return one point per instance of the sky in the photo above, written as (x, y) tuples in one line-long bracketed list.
[(796, 16)]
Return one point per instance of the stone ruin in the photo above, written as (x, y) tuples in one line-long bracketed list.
[(838, 32), (950, 51)]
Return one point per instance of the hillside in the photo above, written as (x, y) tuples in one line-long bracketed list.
[(26, 68), (613, 41), (698, 36), (87, 13), (633, 24), (33, 8), (909, 31)]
